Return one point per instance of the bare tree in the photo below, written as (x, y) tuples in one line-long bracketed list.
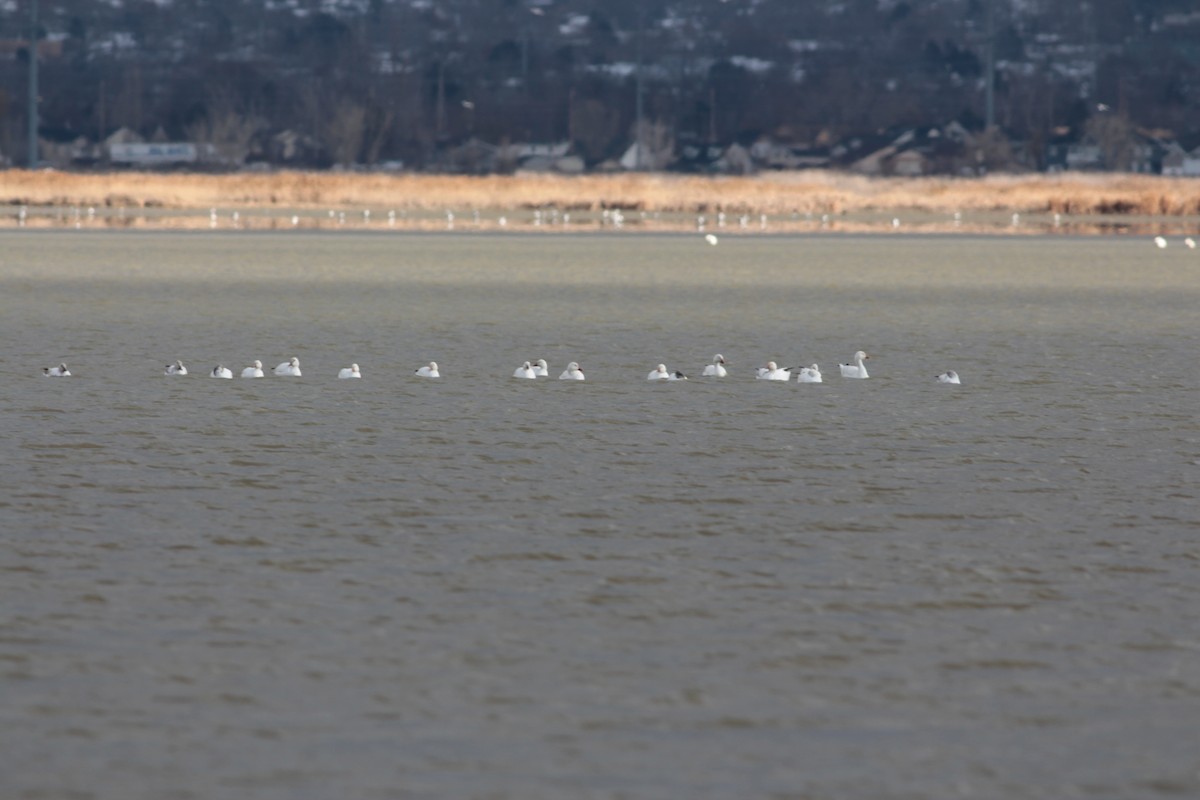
[(1113, 134), (595, 126), (656, 142), (343, 128), (989, 151), (229, 129), (377, 129)]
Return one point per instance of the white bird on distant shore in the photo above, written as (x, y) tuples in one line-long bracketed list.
[(349, 372), (573, 372), (221, 371), (857, 369), (175, 369), (430, 370), (809, 375), (60, 371), (289, 368), (1160, 242), (949, 376), (716, 369), (526, 370)]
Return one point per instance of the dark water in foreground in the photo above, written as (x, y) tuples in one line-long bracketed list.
[(489, 588)]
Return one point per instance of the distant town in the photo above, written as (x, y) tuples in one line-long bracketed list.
[(871, 87)]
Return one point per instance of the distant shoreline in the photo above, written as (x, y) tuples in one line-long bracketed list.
[(1089, 202)]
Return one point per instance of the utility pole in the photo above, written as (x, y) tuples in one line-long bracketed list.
[(440, 107), (638, 112), (33, 84), (990, 85)]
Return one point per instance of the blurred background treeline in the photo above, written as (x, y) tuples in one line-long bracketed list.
[(495, 86)]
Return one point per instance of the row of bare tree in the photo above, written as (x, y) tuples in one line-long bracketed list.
[(407, 81)]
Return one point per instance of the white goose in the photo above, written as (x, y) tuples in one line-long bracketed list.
[(857, 369), (175, 369), (949, 376), (526, 370), (773, 372), (809, 375), (661, 373), (573, 372), (349, 372), (60, 371), (290, 368), (716, 369), (541, 369), (430, 370), (254, 370), (221, 371)]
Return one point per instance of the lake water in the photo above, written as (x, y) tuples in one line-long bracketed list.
[(481, 587)]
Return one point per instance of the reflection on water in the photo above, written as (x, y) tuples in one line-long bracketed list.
[(556, 220), (482, 586)]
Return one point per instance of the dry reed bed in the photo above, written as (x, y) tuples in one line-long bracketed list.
[(771, 193)]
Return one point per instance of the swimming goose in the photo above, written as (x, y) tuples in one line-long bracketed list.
[(221, 371), (290, 368), (175, 369), (809, 375), (541, 368), (660, 373), (430, 370), (716, 369), (526, 370), (857, 369), (949, 376), (773, 372), (573, 372), (349, 372), (60, 371), (254, 370)]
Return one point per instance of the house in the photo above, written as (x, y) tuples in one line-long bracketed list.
[(1181, 163), (63, 148), (531, 157), (864, 154), (909, 164), (295, 149), (873, 162), (696, 157), (736, 160), (1084, 155), (773, 155), (123, 136), (474, 157)]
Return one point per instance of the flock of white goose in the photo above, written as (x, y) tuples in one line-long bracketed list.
[(540, 369)]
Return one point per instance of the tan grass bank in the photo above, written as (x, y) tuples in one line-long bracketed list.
[(772, 193)]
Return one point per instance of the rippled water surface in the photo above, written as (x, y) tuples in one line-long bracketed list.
[(481, 587)]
